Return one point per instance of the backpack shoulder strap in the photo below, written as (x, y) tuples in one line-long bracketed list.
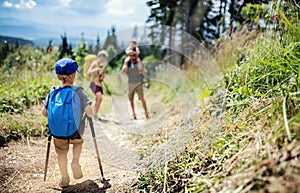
[(76, 89), (55, 88), (79, 91), (48, 96)]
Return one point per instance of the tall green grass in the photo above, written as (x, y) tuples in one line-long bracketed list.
[(258, 120), (270, 70), (21, 97), (21, 90)]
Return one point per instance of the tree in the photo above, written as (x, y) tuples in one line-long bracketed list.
[(112, 56), (228, 18), (135, 33), (111, 39), (98, 46), (49, 47), (64, 49), (80, 52), (206, 20), (4, 50)]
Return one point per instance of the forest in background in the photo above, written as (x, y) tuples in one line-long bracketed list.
[(205, 21)]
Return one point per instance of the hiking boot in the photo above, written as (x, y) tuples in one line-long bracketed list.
[(64, 182), (76, 168)]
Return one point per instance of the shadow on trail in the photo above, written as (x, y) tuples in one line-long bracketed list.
[(88, 186), (102, 120)]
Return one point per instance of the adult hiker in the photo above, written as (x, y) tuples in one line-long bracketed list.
[(135, 81), (64, 108), (97, 72)]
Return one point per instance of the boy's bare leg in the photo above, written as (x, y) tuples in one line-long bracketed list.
[(77, 148), (76, 168), (62, 163)]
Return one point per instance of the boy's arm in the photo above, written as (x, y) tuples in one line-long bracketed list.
[(44, 109), (89, 111), (44, 112)]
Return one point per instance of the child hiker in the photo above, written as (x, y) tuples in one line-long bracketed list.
[(97, 71), (133, 46), (64, 107)]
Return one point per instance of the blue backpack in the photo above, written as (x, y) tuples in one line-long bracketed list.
[(65, 112)]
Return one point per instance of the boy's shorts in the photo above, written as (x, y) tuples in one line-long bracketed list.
[(62, 145), (135, 87)]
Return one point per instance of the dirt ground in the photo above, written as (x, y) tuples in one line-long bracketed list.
[(120, 143), (22, 167)]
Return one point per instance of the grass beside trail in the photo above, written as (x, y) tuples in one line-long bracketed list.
[(247, 136)]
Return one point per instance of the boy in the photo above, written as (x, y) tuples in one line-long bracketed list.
[(133, 46), (66, 72)]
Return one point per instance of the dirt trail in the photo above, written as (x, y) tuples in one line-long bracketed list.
[(22, 166), (121, 152)]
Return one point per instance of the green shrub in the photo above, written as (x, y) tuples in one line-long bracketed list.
[(21, 92)]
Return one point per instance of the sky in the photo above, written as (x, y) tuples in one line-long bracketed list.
[(66, 14)]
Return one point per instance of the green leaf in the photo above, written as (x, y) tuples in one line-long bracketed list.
[(206, 92)]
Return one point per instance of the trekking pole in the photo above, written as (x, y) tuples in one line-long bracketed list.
[(47, 156), (104, 181), (107, 89)]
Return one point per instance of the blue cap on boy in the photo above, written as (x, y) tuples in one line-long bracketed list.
[(65, 66)]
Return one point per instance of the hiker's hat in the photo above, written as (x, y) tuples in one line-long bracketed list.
[(102, 53), (65, 66)]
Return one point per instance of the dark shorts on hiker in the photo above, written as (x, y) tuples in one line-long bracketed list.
[(135, 88), (95, 88), (62, 145)]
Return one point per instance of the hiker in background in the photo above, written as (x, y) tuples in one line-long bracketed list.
[(97, 72), (58, 123), (135, 81), (133, 44)]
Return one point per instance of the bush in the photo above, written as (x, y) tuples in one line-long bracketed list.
[(21, 93)]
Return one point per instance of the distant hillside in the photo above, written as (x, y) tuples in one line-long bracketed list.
[(13, 40), (41, 42), (41, 34)]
